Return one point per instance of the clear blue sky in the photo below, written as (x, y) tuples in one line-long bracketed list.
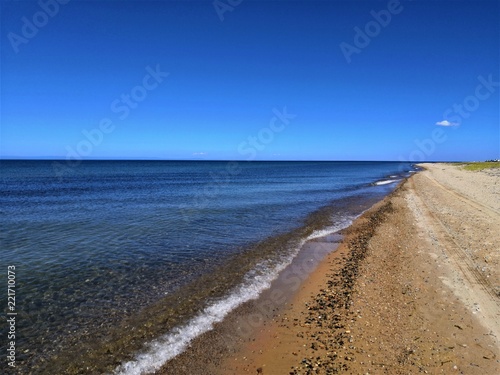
[(228, 78)]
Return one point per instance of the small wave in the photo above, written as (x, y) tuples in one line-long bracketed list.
[(175, 342), (339, 225), (385, 182), (163, 349)]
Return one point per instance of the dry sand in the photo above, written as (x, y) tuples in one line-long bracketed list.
[(413, 288)]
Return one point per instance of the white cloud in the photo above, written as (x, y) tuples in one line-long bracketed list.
[(199, 153), (446, 123)]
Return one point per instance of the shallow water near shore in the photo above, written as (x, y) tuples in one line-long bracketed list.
[(118, 258)]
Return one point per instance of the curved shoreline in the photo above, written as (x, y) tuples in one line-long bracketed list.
[(394, 298), (384, 302), (316, 317), (208, 353)]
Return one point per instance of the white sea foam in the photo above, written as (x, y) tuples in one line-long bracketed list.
[(385, 182), (175, 342), (341, 224), (170, 345)]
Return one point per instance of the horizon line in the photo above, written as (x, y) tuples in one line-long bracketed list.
[(233, 160)]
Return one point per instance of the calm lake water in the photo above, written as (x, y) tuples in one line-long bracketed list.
[(111, 246)]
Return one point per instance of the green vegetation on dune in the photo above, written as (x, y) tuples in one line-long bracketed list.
[(481, 165)]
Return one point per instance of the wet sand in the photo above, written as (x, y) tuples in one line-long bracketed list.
[(412, 288)]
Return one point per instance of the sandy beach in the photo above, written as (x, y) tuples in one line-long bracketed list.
[(413, 287)]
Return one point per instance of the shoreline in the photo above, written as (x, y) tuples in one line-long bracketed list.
[(389, 299), (322, 299), (154, 333), (208, 353)]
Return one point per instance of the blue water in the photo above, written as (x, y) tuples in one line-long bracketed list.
[(110, 237)]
